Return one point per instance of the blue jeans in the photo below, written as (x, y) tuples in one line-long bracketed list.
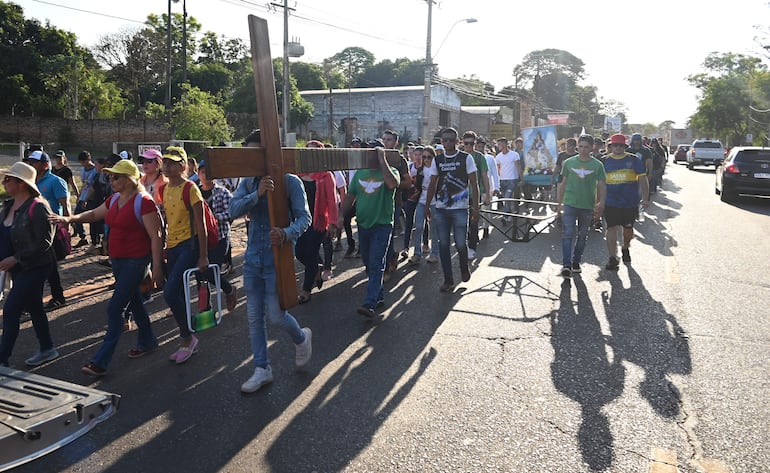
[(25, 295), (456, 222), (261, 288), (373, 243), (129, 273), (509, 188), (574, 217), (180, 258), (306, 251), (419, 226), (409, 214)]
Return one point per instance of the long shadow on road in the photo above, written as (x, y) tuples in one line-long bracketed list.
[(582, 371)]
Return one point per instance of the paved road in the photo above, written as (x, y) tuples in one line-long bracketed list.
[(661, 367)]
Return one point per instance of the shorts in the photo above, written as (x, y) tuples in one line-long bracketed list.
[(621, 216)]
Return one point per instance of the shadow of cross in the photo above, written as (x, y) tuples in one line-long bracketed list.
[(271, 159)]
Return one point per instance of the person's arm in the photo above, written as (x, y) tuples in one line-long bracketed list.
[(345, 207), (474, 183), (200, 229), (65, 206), (431, 193), (152, 225), (93, 215), (247, 195), (487, 187), (391, 179), (601, 197), (560, 192), (406, 179), (645, 191), (71, 182)]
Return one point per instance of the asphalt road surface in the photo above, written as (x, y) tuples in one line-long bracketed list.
[(660, 367)]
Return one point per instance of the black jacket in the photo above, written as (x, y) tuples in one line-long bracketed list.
[(31, 237)]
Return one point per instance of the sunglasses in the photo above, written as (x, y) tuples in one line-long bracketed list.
[(115, 177), (8, 179), (448, 139)]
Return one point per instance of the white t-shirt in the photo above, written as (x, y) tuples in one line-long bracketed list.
[(508, 167), (494, 177), (449, 193)]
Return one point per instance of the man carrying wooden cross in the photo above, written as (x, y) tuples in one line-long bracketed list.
[(259, 274)]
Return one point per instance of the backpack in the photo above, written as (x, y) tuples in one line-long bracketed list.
[(138, 212), (209, 219), (62, 242)]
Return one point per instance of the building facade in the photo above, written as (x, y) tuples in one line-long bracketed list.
[(341, 114)]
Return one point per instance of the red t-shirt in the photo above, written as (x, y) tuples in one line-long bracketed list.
[(128, 238)]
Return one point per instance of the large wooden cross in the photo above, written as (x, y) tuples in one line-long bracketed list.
[(271, 159)]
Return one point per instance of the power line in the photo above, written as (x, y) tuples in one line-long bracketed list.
[(90, 12)]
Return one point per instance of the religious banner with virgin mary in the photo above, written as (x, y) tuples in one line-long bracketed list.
[(540, 152)]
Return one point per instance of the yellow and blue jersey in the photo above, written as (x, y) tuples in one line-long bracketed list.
[(622, 180)]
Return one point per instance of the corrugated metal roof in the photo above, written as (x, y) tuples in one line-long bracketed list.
[(481, 109), (360, 90)]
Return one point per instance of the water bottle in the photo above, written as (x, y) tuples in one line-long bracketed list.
[(205, 320), (204, 302)]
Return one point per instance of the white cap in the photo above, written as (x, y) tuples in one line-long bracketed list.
[(439, 147)]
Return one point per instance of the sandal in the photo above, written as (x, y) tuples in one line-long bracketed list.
[(304, 298), (93, 370), (318, 279)]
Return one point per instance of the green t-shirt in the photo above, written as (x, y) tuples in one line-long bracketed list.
[(582, 178), (481, 168), (374, 201)]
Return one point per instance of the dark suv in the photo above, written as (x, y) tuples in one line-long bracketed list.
[(746, 170)]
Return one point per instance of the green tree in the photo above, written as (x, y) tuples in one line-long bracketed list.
[(351, 62), (196, 116), (309, 76), (544, 62), (726, 95)]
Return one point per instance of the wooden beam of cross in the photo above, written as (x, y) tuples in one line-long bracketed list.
[(271, 159)]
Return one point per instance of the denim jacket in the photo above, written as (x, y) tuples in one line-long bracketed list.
[(246, 201), (31, 238)]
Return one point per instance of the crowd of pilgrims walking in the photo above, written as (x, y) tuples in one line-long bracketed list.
[(148, 219)]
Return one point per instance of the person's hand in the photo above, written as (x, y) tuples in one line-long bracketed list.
[(645, 204), (83, 204), (265, 184), (203, 264), (157, 275), (474, 214), (56, 218), (277, 236), (332, 230), (8, 263), (558, 209), (427, 212)]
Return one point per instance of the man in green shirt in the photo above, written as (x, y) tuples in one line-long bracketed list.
[(482, 171), (373, 190), (581, 196)]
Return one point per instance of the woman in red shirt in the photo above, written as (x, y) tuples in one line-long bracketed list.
[(134, 244)]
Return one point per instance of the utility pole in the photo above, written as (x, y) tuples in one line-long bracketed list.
[(428, 74), (168, 59), (286, 85), (184, 41)]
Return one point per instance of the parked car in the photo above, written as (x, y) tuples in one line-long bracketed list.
[(705, 153), (681, 153), (746, 170)]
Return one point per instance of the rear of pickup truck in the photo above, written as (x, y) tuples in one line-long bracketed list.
[(705, 153)]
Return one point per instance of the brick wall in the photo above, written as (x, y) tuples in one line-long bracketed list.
[(91, 134)]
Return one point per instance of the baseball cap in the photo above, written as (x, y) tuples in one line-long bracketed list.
[(123, 154), (375, 143), (38, 156), (125, 167), (356, 140), (60, 153), (175, 153)]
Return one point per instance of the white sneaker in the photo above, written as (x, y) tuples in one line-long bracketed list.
[(304, 349), (471, 253), (261, 377)]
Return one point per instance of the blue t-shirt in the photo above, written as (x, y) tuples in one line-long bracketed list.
[(53, 188), (622, 180), (87, 177)]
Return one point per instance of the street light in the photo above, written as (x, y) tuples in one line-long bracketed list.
[(467, 20), (429, 69)]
